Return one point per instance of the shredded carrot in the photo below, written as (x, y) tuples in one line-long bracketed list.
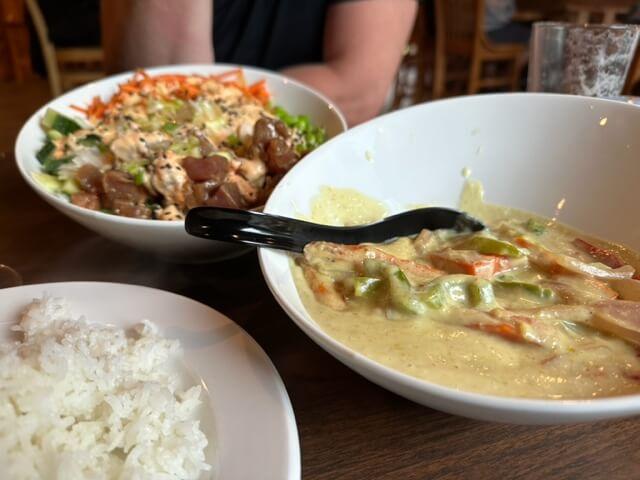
[(177, 85), (96, 108), (79, 109), (505, 330), (523, 242), (259, 91), (232, 76), (485, 266), (129, 88)]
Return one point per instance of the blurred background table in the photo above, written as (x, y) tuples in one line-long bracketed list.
[(349, 428), (448, 53)]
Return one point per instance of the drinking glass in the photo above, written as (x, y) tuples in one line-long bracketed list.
[(590, 60)]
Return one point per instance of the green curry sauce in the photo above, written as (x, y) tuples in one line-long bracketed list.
[(529, 308)]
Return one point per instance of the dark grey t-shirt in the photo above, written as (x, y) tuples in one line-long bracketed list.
[(271, 34)]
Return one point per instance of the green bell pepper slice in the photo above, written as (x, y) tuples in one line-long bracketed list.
[(401, 295), (491, 246), (366, 287), (434, 296), (537, 291), (481, 293)]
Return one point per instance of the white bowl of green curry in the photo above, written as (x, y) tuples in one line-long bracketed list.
[(526, 322)]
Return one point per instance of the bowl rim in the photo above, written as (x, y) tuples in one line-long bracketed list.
[(21, 154), (571, 409)]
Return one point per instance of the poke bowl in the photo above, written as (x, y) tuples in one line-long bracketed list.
[(128, 155), (553, 160)]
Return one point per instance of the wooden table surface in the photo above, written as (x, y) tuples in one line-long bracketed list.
[(349, 428)]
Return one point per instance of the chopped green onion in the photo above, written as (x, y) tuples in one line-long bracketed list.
[(170, 127), (233, 141), (302, 123), (311, 135), (137, 172), (283, 115), (138, 178), (190, 146), (171, 105), (535, 227)]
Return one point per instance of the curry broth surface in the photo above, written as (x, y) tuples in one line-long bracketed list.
[(435, 349)]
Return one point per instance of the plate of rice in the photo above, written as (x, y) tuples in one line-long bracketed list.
[(114, 381)]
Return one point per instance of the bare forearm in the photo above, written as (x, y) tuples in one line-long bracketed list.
[(363, 47), (142, 33), (358, 104)]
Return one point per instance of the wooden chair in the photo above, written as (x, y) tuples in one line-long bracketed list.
[(67, 67), (597, 11), (15, 58), (460, 33)]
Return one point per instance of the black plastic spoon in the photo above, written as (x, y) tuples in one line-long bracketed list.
[(283, 233)]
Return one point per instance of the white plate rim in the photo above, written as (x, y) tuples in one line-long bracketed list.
[(26, 293)]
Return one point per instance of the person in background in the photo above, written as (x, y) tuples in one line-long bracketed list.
[(347, 49), (499, 25)]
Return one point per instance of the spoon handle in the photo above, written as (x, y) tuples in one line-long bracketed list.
[(255, 228), (283, 233)]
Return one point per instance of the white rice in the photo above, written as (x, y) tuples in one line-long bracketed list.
[(88, 401)]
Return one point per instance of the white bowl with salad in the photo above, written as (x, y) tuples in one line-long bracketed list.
[(129, 155)]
